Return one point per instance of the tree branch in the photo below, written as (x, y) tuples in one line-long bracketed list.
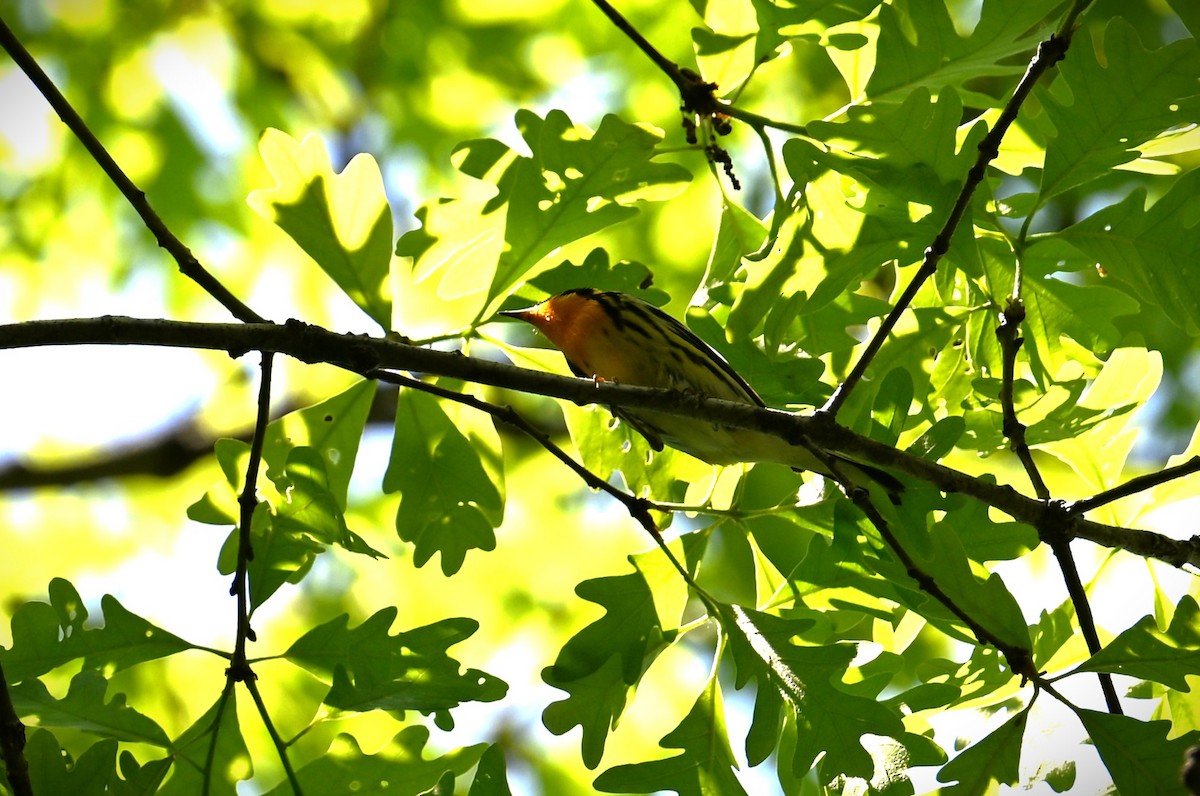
[(362, 354), (1135, 485), (162, 453), (189, 266), (1020, 659), (1008, 333), (1049, 53)]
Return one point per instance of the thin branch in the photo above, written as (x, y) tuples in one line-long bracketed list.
[(276, 739), (161, 454), (755, 119), (1135, 485), (1008, 333), (1083, 611), (239, 668), (638, 508), (1020, 659), (698, 96), (1049, 53), (361, 354), (189, 266), (12, 743), (669, 67)]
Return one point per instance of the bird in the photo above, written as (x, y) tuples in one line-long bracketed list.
[(615, 337)]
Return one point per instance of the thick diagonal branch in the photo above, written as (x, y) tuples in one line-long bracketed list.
[(362, 354)]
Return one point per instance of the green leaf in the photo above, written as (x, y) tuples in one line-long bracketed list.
[(225, 758), (1155, 251), (309, 456), (705, 766), (491, 778), (893, 401), (333, 428), (47, 636), (1145, 652), (608, 445), (1138, 754), (84, 709), (137, 779), (283, 554), (595, 701), (939, 439), (220, 505), (994, 760), (449, 503), (600, 663), (53, 770), (1054, 307), (399, 767), (576, 183), (920, 131), (597, 272), (342, 221), (374, 670), (804, 681), (125, 640), (310, 505), (939, 553), (919, 48), (314, 448), (739, 233), (785, 379), (573, 183), (983, 537), (1111, 99), (777, 16), (853, 226)]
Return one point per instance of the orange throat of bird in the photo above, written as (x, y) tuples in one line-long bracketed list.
[(574, 324)]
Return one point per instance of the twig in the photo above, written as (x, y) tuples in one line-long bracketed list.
[(12, 743), (1008, 333), (696, 94), (189, 266), (755, 119), (239, 670), (1049, 53), (1061, 547), (638, 508), (1020, 659), (1135, 485), (276, 739)]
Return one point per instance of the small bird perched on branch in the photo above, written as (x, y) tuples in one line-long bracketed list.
[(616, 337)]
